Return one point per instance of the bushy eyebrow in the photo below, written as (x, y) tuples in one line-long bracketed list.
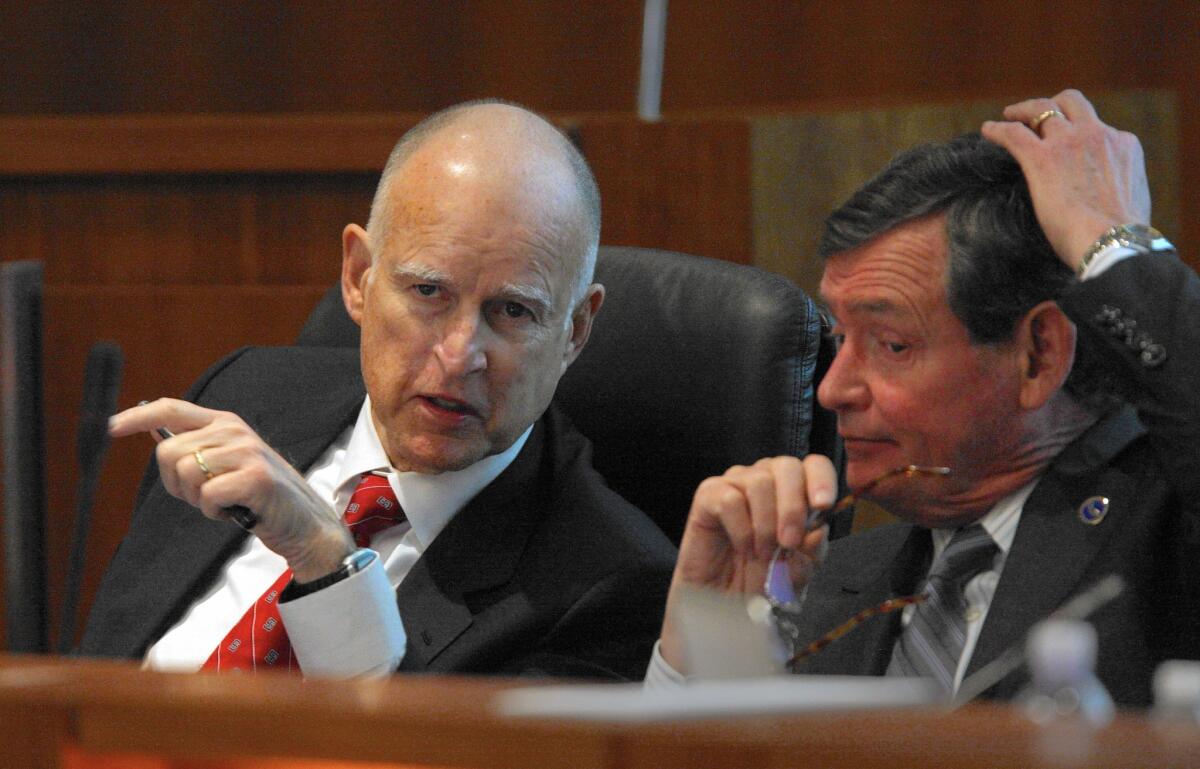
[(419, 272)]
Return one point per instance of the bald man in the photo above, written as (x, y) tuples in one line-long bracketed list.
[(417, 504)]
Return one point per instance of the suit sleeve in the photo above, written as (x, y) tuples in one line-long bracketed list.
[(1143, 314), (609, 631)]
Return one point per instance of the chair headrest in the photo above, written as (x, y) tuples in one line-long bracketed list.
[(694, 365)]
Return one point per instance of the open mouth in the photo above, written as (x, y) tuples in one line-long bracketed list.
[(450, 405)]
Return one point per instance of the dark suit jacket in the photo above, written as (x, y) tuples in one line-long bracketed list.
[(1147, 464), (547, 571)]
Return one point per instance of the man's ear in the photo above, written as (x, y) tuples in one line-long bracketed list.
[(356, 269), (1046, 346), (581, 323)]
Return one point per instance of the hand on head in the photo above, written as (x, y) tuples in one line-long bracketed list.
[(1084, 176), (215, 460), (736, 522)]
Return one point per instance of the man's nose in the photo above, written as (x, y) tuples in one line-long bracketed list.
[(842, 387), (462, 348)]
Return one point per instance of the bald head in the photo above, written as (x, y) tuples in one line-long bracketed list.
[(472, 283), (495, 156)]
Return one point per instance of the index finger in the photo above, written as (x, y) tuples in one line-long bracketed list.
[(176, 415), (802, 486)]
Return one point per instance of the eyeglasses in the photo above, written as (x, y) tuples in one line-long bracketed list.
[(781, 595)]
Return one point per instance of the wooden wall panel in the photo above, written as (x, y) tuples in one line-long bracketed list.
[(325, 56), (682, 184), (315, 56), (169, 336), (754, 52), (200, 229), (804, 165), (198, 56), (73, 145)]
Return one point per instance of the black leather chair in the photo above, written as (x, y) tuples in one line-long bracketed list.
[(694, 365)]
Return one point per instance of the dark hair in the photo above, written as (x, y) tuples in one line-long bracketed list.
[(1000, 264)]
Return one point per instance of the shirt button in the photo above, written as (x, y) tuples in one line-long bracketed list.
[(972, 614)]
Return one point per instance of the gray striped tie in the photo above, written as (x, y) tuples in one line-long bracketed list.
[(933, 641)]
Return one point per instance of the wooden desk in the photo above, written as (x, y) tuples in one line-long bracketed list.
[(46, 704)]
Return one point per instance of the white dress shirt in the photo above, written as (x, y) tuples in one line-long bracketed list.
[(352, 627), (1105, 258)]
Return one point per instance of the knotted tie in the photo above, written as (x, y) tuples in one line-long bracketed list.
[(933, 641), (259, 639)]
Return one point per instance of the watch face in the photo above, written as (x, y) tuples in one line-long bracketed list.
[(1143, 231)]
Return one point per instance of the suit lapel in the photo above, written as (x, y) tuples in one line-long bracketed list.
[(1053, 548), (898, 555), (477, 551)]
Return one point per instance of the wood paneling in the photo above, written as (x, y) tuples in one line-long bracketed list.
[(183, 229), (682, 184), (325, 56), (161, 187), (48, 145), (199, 56), (806, 164), (754, 52), (564, 55)]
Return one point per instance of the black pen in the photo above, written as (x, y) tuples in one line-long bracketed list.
[(241, 515)]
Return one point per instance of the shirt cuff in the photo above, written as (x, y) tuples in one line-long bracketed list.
[(351, 628), (1106, 258), (660, 674)]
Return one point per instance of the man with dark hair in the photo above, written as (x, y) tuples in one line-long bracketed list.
[(476, 536), (999, 262), (982, 291)]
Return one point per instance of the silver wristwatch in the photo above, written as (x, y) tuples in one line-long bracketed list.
[(352, 564), (1140, 237)]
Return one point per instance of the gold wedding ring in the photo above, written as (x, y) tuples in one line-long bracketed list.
[(208, 473), (1037, 121)]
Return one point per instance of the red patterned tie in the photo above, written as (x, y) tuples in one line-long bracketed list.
[(259, 640)]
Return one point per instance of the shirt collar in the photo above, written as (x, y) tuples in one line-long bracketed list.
[(429, 500), (1001, 522)]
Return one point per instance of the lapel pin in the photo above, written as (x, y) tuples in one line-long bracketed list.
[(1093, 510)]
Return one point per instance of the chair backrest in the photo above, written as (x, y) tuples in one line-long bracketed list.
[(694, 365)]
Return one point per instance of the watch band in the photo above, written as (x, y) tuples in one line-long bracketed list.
[(1139, 237), (352, 564)]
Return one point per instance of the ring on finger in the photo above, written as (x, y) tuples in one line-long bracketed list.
[(1036, 124), (204, 468)]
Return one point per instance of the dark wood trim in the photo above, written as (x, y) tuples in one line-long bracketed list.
[(156, 144)]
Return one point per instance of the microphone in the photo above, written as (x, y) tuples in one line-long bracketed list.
[(101, 381)]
